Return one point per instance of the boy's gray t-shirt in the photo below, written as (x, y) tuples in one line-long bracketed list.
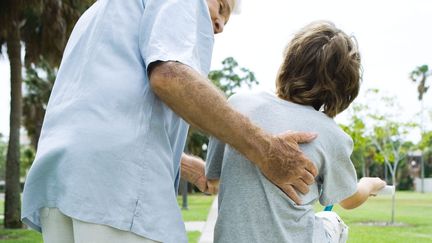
[(252, 209)]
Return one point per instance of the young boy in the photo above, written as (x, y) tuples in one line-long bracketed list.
[(319, 78)]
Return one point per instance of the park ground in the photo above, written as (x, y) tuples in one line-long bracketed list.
[(413, 218)]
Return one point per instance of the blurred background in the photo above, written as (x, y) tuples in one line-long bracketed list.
[(390, 121)]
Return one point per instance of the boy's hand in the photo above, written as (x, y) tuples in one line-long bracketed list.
[(373, 184), (212, 186), (287, 167), (207, 186), (201, 183), (193, 170)]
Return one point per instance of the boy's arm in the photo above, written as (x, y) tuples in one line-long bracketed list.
[(367, 186), (193, 171)]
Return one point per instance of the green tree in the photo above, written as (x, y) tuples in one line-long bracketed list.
[(38, 82), (27, 155), (425, 145), (363, 152), (389, 138), (420, 75), (3, 149), (232, 77), (42, 26), (11, 20), (380, 136)]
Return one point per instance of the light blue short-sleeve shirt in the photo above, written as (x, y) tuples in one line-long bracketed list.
[(109, 151)]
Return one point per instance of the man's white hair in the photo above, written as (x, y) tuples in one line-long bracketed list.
[(237, 7)]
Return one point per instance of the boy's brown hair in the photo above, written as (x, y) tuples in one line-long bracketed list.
[(321, 68)]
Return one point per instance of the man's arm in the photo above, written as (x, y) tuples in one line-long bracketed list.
[(197, 101), (367, 186)]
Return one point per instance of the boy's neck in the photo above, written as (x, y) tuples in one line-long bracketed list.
[(292, 101)]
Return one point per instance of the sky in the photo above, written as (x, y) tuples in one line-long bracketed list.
[(394, 37)]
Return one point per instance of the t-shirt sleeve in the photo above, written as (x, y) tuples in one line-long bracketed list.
[(177, 30), (338, 179), (215, 154)]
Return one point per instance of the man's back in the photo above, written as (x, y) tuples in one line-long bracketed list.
[(109, 151), (251, 209)]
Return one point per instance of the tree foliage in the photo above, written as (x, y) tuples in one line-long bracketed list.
[(425, 145), (420, 75), (392, 148), (38, 83), (3, 149), (363, 152), (232, 77), (380, 136), (43, 26)]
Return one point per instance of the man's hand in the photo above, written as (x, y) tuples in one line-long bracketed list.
[(287, 167), (198, 102)]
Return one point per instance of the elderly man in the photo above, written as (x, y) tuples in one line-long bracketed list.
[(131, 79)]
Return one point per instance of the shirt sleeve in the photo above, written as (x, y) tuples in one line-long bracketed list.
[(177, 30), (338, 178), (215, 154)]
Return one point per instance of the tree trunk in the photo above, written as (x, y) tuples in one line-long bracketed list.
[(393, 198), (368, 164), (12, 183), (385, 173)]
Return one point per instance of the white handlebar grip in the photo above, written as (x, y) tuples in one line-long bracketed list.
[(387, 190)]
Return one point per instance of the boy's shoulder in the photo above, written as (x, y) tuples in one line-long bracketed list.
[(300, 116), (247, 95), (255, 99)]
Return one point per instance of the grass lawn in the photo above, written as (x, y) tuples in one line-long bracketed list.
[(198, 209), (193, 236), (20, 236), (412, 209), (30, 236), (199, 205)]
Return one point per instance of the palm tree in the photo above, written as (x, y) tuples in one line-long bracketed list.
[(10, 30), (38, 90), (42, 26), (45, 35), (420, 75)]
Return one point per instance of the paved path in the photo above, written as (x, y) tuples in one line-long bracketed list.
[(195, 225), (207, 233)]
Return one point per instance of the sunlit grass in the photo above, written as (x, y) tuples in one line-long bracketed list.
[(413, 210)]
